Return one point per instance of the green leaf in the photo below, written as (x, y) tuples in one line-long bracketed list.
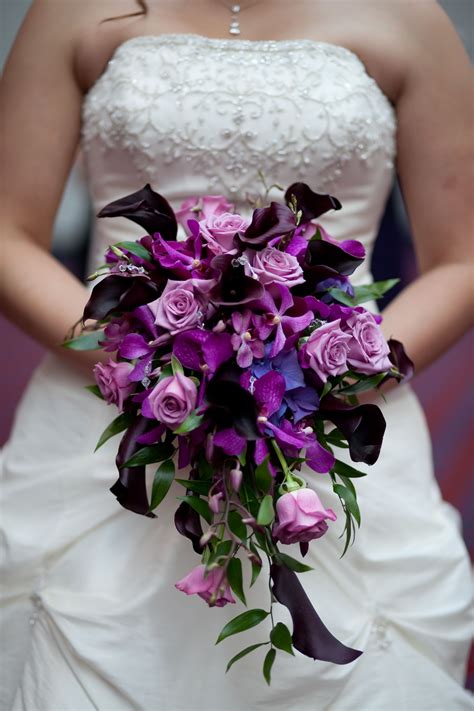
[(243, 457), (263, 476), (293, 564), (337, 439), (150, 455), (341, 296), (238, 528), (135, 248), (199, 505), (86, 342), (199, 487), (164, 476), (234, 576), (95, 390), (166, 372), (176, 365), (280, 637), (363, 385), (118, 425), (327, 387), (344, 469), (243, 653), (266, 512), (350, 500), (190, 423), (317, 236), (348, 532), (256, 566), (242, 622), (369, 292), (267, 665)]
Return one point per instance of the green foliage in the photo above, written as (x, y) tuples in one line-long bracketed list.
[(150, 455), (199, 505), (268, 664), (121, 423), (242, 622), (346, 470), (263, 476), (280, 637), (235, 578), (292, 563), (95, 390), (368, 292), (238, 528), (195, 485), (266, 512), (164, 476), (244, 652), (190, 423), (135, 248), (88, 341)]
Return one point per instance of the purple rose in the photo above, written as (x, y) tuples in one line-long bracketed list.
[(272, 265), (301, 517), (171, 401), (195, 208), (219, 231), (327, 349), (368, 349), (180, 307), (113, 381), (213, 587)]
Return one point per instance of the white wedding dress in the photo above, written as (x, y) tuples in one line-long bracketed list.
[(91, 617)]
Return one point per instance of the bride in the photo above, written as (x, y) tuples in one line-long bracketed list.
[(338, 94)]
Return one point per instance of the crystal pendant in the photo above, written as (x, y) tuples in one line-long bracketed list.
[(234, 28)]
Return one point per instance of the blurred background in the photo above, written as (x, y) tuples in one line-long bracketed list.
[(444, 388)]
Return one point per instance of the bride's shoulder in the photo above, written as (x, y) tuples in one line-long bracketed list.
[(402, 42)]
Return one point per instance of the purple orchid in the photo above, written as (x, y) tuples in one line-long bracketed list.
[(275, 304), (202, 350), (243, 341)]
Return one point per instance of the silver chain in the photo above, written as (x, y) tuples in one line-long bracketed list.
[(235, 9)]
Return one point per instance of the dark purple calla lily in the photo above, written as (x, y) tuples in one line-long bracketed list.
[(234, 287), (362, 425), (310, 636), (146, 208), (321, 253), (230, 405), (130, 488), (400, 360), (188, 524), (311, 204), (119, 293), (267, 223)]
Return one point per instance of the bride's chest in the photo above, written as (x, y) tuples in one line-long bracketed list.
[(227, 109)]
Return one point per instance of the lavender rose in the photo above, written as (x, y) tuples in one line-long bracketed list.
[(179, 308), (272, 265), (219, 231), (301, 517), (171, 401), (113, 382), (213, 587), (327, 349), (195, 208), (368, 349)]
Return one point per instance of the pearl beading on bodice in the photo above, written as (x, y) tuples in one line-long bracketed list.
[(194, 115)]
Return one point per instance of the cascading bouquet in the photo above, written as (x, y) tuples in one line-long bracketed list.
[(240, 351)]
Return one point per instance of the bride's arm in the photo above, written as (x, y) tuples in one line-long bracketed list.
[(435, 146), (40, 125)]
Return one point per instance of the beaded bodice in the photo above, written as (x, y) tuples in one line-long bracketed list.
[(193, 115)]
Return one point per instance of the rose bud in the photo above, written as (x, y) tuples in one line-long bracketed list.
[(213, 587), (113, 382), (301, 517)]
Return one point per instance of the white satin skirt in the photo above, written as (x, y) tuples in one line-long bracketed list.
[(91, 618)]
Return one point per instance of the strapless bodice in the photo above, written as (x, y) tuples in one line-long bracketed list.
[(194, 115)]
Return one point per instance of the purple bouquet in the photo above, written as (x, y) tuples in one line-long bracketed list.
[(239, 353)]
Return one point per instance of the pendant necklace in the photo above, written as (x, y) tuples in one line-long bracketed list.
[(236, 9)]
